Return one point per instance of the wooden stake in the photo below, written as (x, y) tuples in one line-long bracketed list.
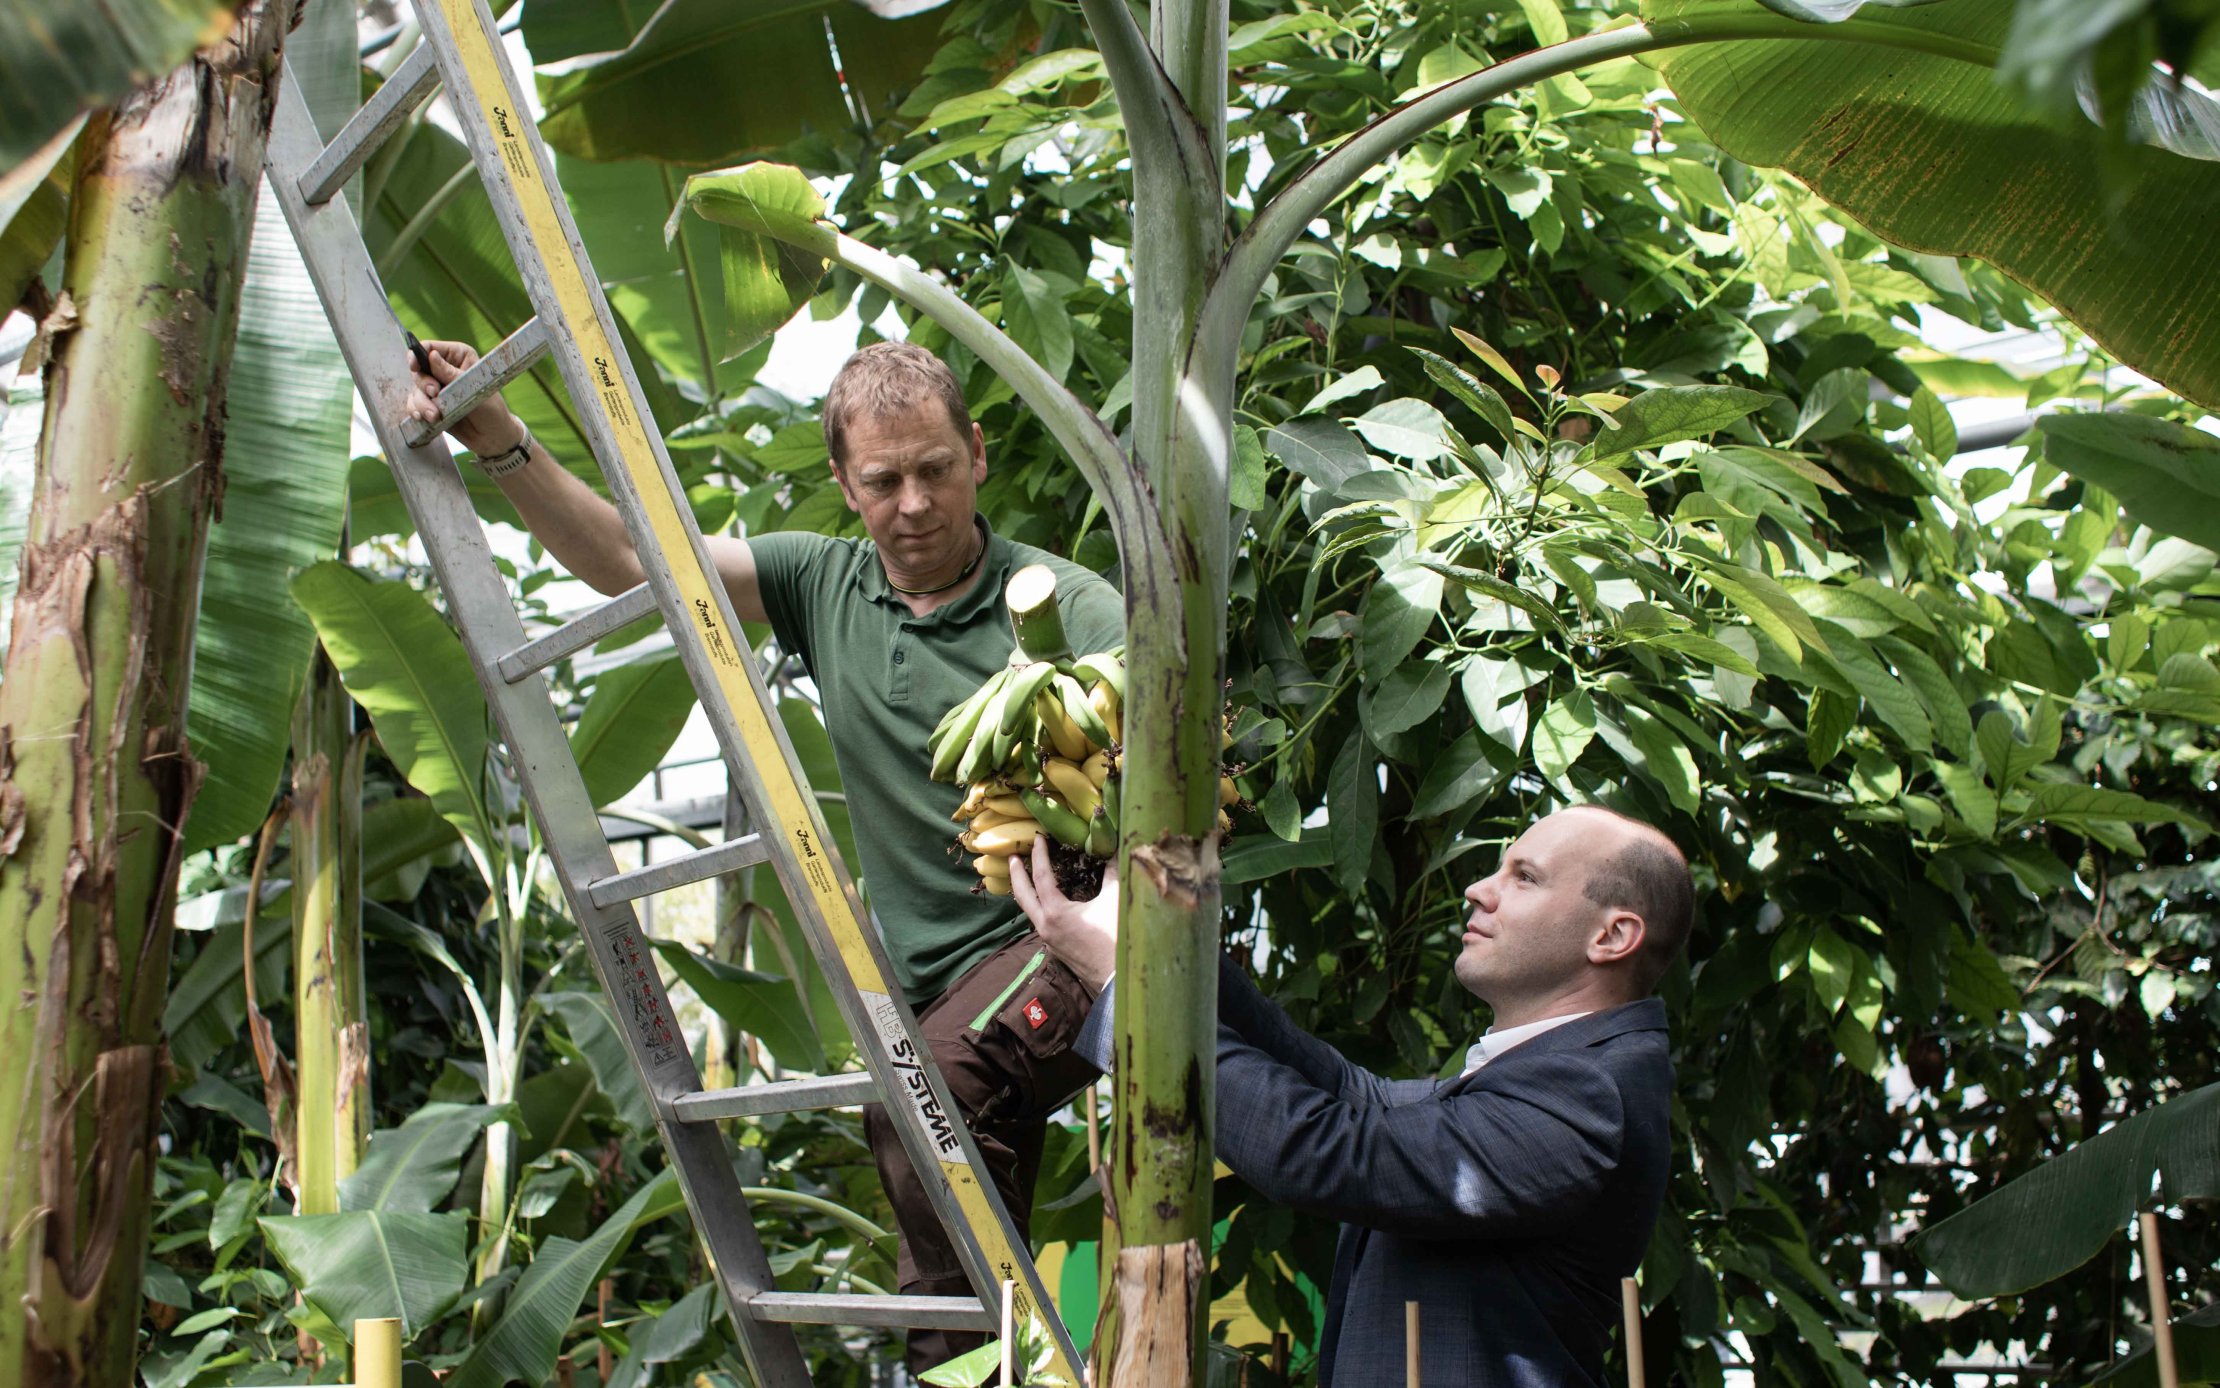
[(1630, 1303), (1094, 1129), (1279, 1353), (1009, 1349), (602, 1359), (566, 1372), (2162, 1318), (1410, 1344)]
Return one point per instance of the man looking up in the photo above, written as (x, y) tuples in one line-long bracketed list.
[(894, 631), (1509, 1201)]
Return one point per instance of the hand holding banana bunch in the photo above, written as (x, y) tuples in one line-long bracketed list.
[(1037, 749)]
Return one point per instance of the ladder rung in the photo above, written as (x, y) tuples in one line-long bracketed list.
[(889, 1312), (714, 861), (474, 387), (578, 633), (371, 126), (783, 1096)]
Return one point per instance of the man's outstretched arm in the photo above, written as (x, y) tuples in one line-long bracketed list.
[(577, 524)]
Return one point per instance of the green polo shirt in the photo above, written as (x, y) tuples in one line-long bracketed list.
[(885, 676)]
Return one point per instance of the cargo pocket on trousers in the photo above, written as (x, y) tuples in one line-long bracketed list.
[(1032, 1023)]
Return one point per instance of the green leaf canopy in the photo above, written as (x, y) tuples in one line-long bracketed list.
[(1932, 154), (760, 208)]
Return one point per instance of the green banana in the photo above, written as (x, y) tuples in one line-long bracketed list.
[(1027, 772), (979, 741), (1113, 796), (1023, 686), (1102, 835), (1067, 828), (1103, 667), (955, 740), (1074, 699)]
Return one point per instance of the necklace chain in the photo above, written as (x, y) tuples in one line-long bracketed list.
[(969, 568)]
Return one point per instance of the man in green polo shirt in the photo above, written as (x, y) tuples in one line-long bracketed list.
[(894, 630)]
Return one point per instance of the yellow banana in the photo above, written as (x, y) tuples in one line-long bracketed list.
[(1097, 769), (975, 799), (987, 865), (1225, 822), (1070, 782), (1062, 731), (988, 819), (996, 886), (1104, 700), (1006, 805), (1228, 792), (1005, 839)]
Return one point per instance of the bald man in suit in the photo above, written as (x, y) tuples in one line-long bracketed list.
[(1508, 1201)]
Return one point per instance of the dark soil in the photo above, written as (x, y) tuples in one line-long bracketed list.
[(1078, 876)]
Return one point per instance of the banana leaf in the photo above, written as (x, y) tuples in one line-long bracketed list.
[(2060, 1215), (534, 1322), (402, 663), (749, 77), (1931, 153), (366, 1264), (59, 58), (414, 1166)]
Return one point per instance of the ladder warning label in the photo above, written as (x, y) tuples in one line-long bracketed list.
[(639, 994), (909, 1072)]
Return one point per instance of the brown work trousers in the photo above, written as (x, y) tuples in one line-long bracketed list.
[(1001, 1036)]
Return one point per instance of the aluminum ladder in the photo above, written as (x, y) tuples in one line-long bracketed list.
[(461, 53)]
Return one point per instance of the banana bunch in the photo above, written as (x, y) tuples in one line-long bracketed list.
[(1037, 748), (1036, 751)]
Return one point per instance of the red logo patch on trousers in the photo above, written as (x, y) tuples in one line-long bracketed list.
[(1036, 1014)]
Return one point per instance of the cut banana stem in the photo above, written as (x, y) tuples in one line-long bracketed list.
[(1034, 615)]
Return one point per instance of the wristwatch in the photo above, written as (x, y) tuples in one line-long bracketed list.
[(509, 459)]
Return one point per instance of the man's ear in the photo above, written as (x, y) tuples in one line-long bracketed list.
[(840, 479), (978, 454), (1619, 938)]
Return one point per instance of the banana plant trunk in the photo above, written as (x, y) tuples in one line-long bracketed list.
[(98, 776), (330, 1010), (1156, 1256)]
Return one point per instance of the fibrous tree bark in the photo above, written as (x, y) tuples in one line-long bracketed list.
[(98, 774)]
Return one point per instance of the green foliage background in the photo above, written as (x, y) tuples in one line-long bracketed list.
[(1687, 537)]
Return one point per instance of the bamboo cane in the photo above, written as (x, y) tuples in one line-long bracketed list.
[(2162, 1323), (1410, 1344), (1630, 1303), (378, 1353)]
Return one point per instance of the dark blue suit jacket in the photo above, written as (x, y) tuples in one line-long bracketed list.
[(1507, 1203)]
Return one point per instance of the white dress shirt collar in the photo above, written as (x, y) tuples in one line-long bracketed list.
[(1494, 1041)]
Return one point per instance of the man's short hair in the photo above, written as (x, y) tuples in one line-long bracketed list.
[(1649, 877), (885, 378)]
